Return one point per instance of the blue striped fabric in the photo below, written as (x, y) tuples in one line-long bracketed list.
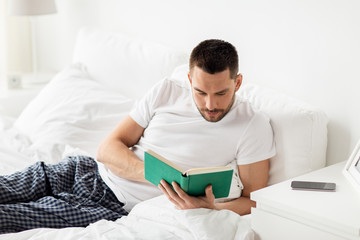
[(68, 194)]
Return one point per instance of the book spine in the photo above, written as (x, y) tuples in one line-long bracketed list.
[(185, 182)]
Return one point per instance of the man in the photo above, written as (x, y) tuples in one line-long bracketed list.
[(199, 123)]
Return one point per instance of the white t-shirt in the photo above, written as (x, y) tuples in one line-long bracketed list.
[(175, 129)]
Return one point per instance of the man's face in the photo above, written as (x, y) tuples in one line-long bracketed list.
[(213, 93)]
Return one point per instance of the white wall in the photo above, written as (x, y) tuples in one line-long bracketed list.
[(308, 49)]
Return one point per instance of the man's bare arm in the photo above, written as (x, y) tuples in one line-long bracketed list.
[(253, 176), (114, 151)]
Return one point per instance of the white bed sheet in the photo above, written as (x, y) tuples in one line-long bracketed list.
[(14, 151), (153, 219)]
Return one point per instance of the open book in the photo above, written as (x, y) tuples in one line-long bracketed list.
[(192, 181)]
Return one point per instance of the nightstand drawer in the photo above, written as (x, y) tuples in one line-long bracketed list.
[(283, 228)]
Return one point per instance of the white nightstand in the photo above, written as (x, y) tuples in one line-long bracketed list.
[(283, 213)]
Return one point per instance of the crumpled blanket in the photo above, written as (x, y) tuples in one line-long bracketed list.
[(156, 218)]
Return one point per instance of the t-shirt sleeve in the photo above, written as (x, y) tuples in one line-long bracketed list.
[(144, 108), (257, 142)]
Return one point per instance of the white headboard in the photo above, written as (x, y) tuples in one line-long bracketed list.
[(306, 49)]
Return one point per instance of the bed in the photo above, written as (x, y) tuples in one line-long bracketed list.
[(84, 102)]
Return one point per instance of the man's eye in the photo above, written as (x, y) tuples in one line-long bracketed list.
[(221, 94), (202, 93)]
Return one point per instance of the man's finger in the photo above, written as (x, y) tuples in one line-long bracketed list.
[(209, 192), (170, 193), (181, 193)]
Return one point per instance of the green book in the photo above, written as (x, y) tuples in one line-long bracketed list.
[(193, 181)]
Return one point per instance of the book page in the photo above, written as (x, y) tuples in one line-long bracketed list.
[(168, 162), (194, 171)]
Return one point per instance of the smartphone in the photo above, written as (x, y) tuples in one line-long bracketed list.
[(319, 186)]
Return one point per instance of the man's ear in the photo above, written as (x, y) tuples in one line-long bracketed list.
[(189, 77), (238, 81)]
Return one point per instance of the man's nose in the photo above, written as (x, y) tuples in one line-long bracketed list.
[(210, 103)]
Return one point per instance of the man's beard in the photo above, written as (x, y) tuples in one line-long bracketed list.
[(220, 112)]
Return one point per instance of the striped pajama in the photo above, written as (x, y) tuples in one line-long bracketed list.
[(68, 194)]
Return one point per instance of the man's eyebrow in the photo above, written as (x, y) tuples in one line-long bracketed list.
[(201, 91), (223, 91)]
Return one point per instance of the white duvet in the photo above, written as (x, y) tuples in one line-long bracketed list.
[(153, 219)]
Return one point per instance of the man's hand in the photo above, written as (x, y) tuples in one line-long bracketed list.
[(184, 201)]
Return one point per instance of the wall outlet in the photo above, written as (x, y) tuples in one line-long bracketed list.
[(14, 81)]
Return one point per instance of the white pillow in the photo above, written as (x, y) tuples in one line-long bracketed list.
[(128, 64), (180, 72), (72, 110), (300, 132)]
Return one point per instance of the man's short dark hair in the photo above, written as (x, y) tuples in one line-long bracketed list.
[(214, 56)]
